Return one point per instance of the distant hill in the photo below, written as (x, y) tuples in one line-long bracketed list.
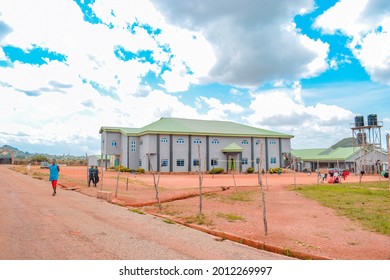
[(344, 143), (25, 155)]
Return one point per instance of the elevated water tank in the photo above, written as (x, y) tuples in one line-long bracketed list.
[(372, 119), (362, 138), (359, 121)]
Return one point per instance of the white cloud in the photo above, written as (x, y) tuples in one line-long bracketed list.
[(253, 41), (217, 110), (318, 125), (60, 115), (234, 43), (367, 23)]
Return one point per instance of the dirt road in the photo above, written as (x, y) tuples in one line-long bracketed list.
[(36, 225)]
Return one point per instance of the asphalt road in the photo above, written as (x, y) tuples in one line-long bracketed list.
[(34, 225)]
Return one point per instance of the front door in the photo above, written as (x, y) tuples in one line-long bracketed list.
[(232, 164)]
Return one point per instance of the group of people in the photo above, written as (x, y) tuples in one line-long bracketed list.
[(333, 176), (93, 175)]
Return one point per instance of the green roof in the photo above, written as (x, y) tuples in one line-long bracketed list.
[(181, 126), (307, 154), (232, 148), (324, 154), (123, 130)]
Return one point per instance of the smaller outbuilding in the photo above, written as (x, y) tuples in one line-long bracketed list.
[(343, 155), (96, 160)]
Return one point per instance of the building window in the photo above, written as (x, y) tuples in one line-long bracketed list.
[(245, 161), (164, 162), (244, 142), (195, 162), (215, 141), (180, 162), (214, 161), (140, 142), (197, 141), (272, 142), (180, 141), (257, 160), (273, 159), (113, 143), (258, 142), (133, 145), (164, 140), (140, 162)]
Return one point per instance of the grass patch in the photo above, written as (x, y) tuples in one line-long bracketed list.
[(211, 196), (230, 217), (136, 210), (198, 219), (242, 196), (169, 222), (287, 252), (368, 203)]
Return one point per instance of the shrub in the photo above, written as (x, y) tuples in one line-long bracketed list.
[(275, 170), (250, 170), (140, 171), (121, 168), (217, 170)]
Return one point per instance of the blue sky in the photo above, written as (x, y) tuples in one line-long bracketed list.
[(301, 67)]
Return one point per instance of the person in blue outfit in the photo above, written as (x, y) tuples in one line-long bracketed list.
[(90, 176), (95, 176), (54, 172)]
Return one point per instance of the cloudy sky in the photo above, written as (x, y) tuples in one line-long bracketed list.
[(302, 67)]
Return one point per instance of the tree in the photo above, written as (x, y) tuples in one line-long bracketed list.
[(39, 158)]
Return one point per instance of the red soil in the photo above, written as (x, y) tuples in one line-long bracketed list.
[(295, 224)]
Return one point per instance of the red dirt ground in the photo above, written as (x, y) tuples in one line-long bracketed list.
[(296, 225)]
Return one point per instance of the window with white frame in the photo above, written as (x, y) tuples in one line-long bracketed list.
[(257, 160), (258, 142), (215, 141), (195, 162), (164, 162), (244, 142), (140, 162), (180, 141), (273, 159), (197, 141), (113, 143), (140, 142), (164, 140), (180, 162), (214, 161), (244, 161), (272, 141), (133, 145)]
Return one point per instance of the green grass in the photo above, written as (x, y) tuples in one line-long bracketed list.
[(136, 210), (169, 222), (242, 196), (368, 203), (230, 217), (198, 219)]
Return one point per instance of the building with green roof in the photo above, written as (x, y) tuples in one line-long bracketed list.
[(174, 145), (341, 155)]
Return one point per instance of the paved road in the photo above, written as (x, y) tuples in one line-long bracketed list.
[(36, 225)]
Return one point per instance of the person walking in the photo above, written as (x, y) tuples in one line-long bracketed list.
[(54, 171), (95, 176), (90, 176)]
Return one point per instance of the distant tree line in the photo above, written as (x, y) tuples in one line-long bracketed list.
[(23, 158)]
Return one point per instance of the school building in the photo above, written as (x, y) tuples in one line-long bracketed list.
[(185, 145)]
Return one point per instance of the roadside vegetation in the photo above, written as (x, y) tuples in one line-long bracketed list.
[(231, 217), (368, 203)]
